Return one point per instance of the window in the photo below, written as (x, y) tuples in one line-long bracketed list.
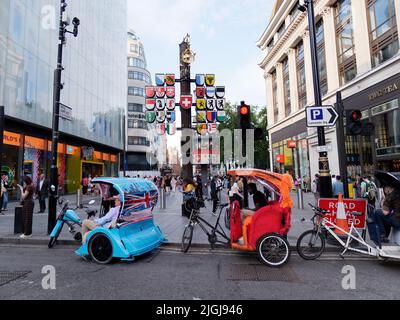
[(270, 45), (383, 30), (301, 75), (135, 107), (294, 12), (345, 42), (286, 87), (138, 141), (275, 96), (134, 48), (135, 62), (134, 91), (323, 77), (281, 30), (135, 75)]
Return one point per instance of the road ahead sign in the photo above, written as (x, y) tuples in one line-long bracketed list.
[(323, 116)]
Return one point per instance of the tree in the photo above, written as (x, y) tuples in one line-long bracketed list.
[(259, 120)]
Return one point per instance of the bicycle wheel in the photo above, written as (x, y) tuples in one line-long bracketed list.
[(311, 245), (187, 238), (228, 218), (273, 250)]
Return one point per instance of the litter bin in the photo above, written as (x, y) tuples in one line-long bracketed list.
[(18, 222)]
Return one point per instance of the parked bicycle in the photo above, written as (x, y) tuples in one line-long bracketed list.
[(213, 234)]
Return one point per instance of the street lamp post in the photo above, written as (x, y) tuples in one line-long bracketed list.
[(1, 138), (325, 180), (57, 87)]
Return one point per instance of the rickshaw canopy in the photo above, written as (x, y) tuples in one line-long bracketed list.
[(136, 194), (280, 184)]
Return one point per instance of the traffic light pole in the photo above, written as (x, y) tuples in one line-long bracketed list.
[(325, 180), (187, 169), (342, 143)]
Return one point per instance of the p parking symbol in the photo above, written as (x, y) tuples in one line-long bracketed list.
[(317, 114)]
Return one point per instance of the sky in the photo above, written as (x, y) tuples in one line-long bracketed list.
[(223, 35)]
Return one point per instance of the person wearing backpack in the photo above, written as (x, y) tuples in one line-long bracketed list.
[(371, 191)]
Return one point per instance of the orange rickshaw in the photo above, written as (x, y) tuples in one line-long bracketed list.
[(266, 231)]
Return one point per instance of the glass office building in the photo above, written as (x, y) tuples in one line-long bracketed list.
[(94, 80)]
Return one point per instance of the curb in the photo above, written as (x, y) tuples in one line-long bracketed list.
[(72, 243)]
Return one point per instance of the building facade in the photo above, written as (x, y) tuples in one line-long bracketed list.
[(358, 53), (141, 137), (94, 87)]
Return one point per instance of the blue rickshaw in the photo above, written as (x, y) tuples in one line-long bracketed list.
[(134, 233)]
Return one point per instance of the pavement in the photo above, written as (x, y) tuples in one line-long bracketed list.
[(167, 274), (170, 221)]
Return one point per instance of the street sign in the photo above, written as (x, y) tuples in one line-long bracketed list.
[(321, 116), (65, 112), (327, 148), (349, 206)]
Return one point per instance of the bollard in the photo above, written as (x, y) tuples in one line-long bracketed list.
[(300, 199), (162, 199), (79, 198)]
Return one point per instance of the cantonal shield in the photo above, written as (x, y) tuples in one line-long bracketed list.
[(221, 116), (161, 116), (170, 92), (160, 92), (170, 80), (211, 116), (201, 104), (150, 104), (201, 116), (200, 92), (220, 104), (210, 92), (160, 104), (171, 104), (210, 80), (160, 79), (220, 92), (201, 129), (150, 116), (171, 116), (212, 128), (171, 128), (161, 128), (150, 92), (210, 104), (200, 80)]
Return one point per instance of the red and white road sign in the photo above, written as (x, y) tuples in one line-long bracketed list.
[(349, 206)]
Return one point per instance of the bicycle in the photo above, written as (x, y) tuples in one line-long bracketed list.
[(311, 244), (215, 230)]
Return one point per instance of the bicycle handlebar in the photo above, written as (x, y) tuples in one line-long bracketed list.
[(318, 210)]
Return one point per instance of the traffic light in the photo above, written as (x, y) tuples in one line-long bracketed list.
[(244, 116), (354, 123), (356, 126)]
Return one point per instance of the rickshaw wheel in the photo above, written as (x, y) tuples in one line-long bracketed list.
[(273, 250), (187, 238), (100, 249)]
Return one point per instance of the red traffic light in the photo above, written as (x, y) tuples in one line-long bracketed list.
[(244, 110), (356, 115)]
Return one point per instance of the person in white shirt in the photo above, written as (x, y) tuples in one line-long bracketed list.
[(109, 219)]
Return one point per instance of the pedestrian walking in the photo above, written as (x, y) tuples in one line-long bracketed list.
[(315, 188), (27, 192), (6, 186), (42, 192), (85, 185), (338, 187)]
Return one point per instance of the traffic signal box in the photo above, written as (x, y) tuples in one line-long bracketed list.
[(355, 126), (244, 116)]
